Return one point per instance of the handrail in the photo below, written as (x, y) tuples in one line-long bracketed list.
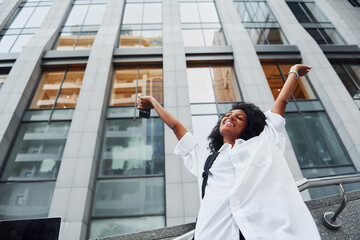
[(331, 220), (306, 183)]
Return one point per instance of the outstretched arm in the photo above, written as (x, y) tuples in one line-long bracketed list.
[(145, 102), (288, 88)]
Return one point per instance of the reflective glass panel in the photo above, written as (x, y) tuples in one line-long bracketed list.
[(2, 79), (351, 86), (200, 85), (115, 226), (37, 152), (331, 36), (67, 41), (130, 196), (133, 13), (314, 13), (94, 14), (314, 141), (354, 70), (274, 35), (147, 80), (77, 15), (25, 200), (6, 42), (202, 127), (85, 40), (302, 88), (256, 36), (70, 89), (189, 13), (21, 41), (225, 86), (151, 38), (316, 35), (208, 12), (213, 37), (37, 17), (22, 17), (193, 37), (299, 13), (133, 148), (47, 90), (152, 13), (130, 38), (274, 78)]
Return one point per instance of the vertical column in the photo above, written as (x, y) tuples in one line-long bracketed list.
[(23, 77), (345, 18), (8, 8), (338, 103), (182, 197), (252, 81), (74, 187)]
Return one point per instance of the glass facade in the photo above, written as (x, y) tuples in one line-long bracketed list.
[(201, 24), (315, 22), (128, 81), (141, 24), (23, 25), (260, 22), (28, 179), (58, 89), (277, 73), (2, 79), (81, 26), (349, 74)]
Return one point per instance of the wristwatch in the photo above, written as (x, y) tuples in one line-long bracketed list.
[(292, 70)]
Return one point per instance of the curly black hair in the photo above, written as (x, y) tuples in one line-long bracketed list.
[(255, 125)]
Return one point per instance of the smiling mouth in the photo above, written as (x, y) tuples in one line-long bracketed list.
[(229, 124)]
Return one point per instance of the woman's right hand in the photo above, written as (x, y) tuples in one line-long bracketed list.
[(144, 102)]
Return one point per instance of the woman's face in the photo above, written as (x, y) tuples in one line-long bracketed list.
[(233, 124)]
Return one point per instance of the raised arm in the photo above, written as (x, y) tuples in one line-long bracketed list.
[(145, 102), (282, 100)]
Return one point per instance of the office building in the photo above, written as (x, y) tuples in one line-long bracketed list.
[(72, 143)]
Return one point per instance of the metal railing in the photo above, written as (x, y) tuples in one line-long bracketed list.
[(331, 220)]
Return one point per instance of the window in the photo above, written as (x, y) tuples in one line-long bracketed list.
[(23, 25), (130, 190), (2, 79), (276, 75), (28, 178), (318, 149), (201, 24), (141, 24), (349, 74), (58, 89), (315, 23), (260, 22), (81, 26), (128, 81), (355, 3), (210, 83)]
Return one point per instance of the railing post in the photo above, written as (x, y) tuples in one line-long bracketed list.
[(332, 220)]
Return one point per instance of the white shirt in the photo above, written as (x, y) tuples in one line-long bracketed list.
[(250, 188)]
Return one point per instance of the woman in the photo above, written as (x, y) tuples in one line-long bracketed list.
[(250, 192)]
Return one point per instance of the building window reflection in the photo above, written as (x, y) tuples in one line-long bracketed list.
[(315, 22), (29, 176), (349, 74), (58, 89), (201, 24), (212, 83), (141, 24), (276, 75), (2, 79), (318, 149), (260, 22), (23, 25), (81, 26), (130, 80)]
